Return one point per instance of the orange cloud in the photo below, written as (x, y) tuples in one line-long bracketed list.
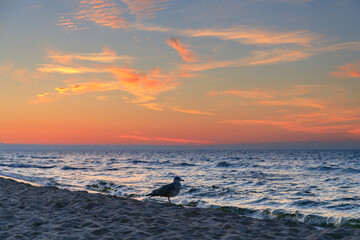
[(20, 74), (106, 13), (163, 139), (186, 54), (153, 106), (145, 86), (49, 68), (106, 56), (256, 93), (114, 14), (190, 111), (327, 120), (351, 70), (298, 102), (274, 56), (249, 35), (145, 8), (69, 24)]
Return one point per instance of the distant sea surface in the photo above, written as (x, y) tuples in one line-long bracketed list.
[(314, 186)]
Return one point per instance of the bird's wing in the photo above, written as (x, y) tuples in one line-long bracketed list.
[(164, 190)]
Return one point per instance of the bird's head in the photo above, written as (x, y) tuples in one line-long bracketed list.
[(177, 179)]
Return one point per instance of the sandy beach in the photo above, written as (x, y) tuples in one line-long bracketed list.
[(30, 212)]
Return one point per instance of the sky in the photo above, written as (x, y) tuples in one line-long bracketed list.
[(169, 72)]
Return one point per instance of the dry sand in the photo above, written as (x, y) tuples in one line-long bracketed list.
[(29, 212)]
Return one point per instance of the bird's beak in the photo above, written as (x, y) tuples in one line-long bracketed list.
[(182, 180)]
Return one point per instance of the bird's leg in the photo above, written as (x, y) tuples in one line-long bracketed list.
[(169, 199)]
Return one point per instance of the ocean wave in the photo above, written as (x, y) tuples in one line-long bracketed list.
[(324, 168), (104, 187), (295, 216), (45, 157), (26, 166), (223, 164), (308, 203), (184, 164), (351, 170), (74, 168)]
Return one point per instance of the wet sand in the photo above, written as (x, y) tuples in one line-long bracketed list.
[(30, 212)]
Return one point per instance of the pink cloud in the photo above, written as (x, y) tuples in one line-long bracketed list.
[(249, 35), (255, 93), (165, 139), (20, 74), (143, 85), (275, 56), (191, 111), (186, 54), (106, 56), (351, 70), (107, 13), (114, 14), (145, 8), (326, 120)]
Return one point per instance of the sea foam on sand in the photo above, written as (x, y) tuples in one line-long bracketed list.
[(30, 212)]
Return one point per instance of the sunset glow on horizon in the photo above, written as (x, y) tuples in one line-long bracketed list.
[(167, 72)]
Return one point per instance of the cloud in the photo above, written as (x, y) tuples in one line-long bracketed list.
[(153, 106), (107, 56), (351, 70), (355, 46), (249, 35), (165, 139), (19, 74), (49, 68), (191, 111), (145, 8), (326, 119), (297, 102), (107, 13), (186, 54), (274, 56), (143, 85), (255, 93), (114, 14)]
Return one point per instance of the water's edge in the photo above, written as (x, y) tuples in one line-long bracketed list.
[(319, 221)]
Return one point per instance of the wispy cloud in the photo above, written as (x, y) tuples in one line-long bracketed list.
[(191, 111), (275, 56), (107, 13), (255, 93), (113, 14), (107, 56), (297, 102), (165, 139), (249, 35), (143, 85), (153, 106), (69, 25), (145, 8), (351, 70), (19, 74), (184, 51), (310, 123), (50, 68)]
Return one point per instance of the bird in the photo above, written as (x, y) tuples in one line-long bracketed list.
[(169, 190)]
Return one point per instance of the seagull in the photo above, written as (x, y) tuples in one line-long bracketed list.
[(169, 190)]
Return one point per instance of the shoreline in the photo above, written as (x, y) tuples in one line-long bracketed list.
[(32, 212)]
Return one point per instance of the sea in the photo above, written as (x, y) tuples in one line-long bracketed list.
[(319, 187)]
